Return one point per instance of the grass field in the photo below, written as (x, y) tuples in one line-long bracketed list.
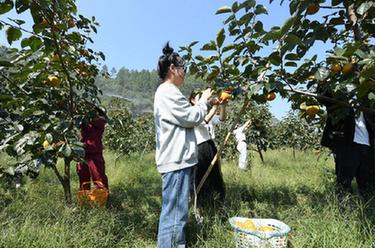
[(298, 191)]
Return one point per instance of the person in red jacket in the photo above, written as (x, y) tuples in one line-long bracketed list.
[(93, 167)]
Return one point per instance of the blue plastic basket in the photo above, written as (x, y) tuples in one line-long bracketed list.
[(246, 238)]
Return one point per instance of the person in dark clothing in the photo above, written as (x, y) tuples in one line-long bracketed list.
[(94, 166), (350, 136), (212, 193)]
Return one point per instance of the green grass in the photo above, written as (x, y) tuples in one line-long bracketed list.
[(297, 191)]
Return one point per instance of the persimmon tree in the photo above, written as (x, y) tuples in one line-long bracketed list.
[(238, 55), (47, 85), (295, 133), (127, 133), (260, 130), (238, 58)]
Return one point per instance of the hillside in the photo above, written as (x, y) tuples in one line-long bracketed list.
[(138, 87)]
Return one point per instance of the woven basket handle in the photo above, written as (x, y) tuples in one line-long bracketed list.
[(97, 182)]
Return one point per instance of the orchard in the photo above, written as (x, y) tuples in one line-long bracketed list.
[(51, 82), (47, 86), (235, 59)]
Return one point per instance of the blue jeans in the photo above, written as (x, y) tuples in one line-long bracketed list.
[(175, 208)]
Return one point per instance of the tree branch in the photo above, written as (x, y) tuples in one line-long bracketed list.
[(332, 100), (24, 30), (354, 20), (61, 179), (13, 83), (331, 7)]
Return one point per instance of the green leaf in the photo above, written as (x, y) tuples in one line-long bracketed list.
[(213, 75), (10, 171), (193, 43), (5, 63), (339, 51), (371, 96), (39, 112), (17, 21), (287, 25), (272, 35), (275, 58), (368, 71), (229, 47), (13, 34), (249, 4), (211, 46), (49, 137), (6, 6), (22, 5), (321, 74), (78, 151), (293, 40), (336, 2), (229, 19), (25, 42), (220, 37), (254, 88), (245, 19), (351, 48), (235, 7), (293, 7), (67, 150), (35, 43), (38, 28), (199, 57), (260, 9), (258, 27), (224, 9), (291, 64), (292, 56)]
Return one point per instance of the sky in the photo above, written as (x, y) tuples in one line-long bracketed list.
[(132, 33)]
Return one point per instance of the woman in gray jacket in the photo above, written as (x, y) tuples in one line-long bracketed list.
[(176, 146)]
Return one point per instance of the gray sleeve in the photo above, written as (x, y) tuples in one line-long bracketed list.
[(182, 112)]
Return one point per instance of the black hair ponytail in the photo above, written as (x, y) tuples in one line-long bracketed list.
[(169, 57)]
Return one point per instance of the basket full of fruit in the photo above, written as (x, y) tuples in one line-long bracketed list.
[(262, 233)]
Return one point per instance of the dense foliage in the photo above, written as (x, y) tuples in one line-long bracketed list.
[(47, 85), (129, 134)]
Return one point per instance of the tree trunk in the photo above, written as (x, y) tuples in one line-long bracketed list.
[(66, 181), (260, 153), (294, 153)]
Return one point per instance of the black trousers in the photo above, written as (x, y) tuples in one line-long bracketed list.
[(354, 160), (212, 192)]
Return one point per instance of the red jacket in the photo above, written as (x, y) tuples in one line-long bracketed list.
[(91, 136)]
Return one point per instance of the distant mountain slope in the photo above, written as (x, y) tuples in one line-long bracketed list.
[(138, 87)]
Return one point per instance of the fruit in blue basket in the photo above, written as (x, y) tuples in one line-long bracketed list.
[(247, 224), (265, 228)]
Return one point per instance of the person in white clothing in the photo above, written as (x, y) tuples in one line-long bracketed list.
[(212, 193), (239, 134), (176, 148)]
